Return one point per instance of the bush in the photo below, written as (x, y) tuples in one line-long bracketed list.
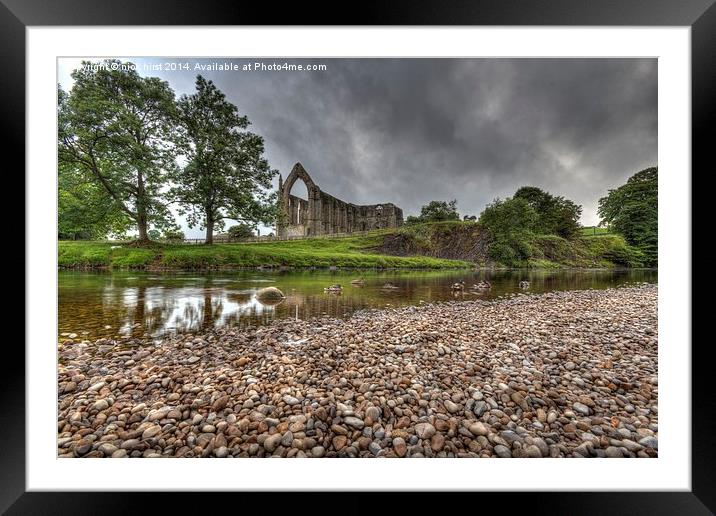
[(510, 223), (503, 253), (627, 257), (78, 235), (174, 236), (240, 232)]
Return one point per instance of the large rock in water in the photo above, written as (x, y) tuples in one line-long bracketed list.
[(269, 295)]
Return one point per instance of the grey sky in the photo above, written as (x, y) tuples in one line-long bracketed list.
[(409, 131)]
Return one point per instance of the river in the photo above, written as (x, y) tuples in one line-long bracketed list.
[(108, 304)]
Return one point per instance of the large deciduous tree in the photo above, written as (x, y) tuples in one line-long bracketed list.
[(116, 128), (632, 210), (555, 215), (226, 175)]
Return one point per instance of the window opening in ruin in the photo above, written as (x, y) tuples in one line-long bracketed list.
[(299, 189)]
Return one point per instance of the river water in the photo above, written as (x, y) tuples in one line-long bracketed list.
[(107, 304)]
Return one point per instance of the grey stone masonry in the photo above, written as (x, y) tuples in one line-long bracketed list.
[(323, 214)]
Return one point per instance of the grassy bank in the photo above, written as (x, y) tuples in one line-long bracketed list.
[(600, 250), (470, 241), (419, 246), (340, 252), (594, 231)]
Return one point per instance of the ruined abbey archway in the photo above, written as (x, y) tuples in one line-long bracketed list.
[(323, 214)]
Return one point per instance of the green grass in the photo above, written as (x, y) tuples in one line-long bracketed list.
[(418, 246), (320, 252), (605, 250), (594, 231), (100, 254)]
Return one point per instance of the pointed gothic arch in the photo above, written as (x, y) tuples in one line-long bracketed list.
[(298, 172)]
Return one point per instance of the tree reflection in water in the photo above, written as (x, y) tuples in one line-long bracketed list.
[(138, 303)]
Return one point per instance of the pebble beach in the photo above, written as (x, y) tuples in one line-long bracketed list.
[(560, 374)]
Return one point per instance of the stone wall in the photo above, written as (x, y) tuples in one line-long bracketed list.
[(323, 214)]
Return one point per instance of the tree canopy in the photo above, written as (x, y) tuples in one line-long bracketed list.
[(514, 222), (115, 128), (85, 211), (436, 211), (128, 148), (555, 215), (226, 175), (510, 223), (632, 211)]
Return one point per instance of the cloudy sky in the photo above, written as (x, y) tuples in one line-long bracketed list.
[(409, 131)]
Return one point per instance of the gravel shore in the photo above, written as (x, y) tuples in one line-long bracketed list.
[(564, 374)]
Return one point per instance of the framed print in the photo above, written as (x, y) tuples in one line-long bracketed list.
[(427, 244)]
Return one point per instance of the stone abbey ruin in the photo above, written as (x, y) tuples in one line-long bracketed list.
[(323, 214)]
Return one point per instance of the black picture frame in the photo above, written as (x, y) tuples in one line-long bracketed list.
[(700, 15)]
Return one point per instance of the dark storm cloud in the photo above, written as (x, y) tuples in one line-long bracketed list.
[(411, 130)]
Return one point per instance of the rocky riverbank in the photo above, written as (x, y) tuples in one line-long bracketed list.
[(564, 374)]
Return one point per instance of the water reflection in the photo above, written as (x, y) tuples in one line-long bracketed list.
[(95, 304)]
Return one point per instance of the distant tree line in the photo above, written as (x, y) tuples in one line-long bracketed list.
[(128, 149), (435, 211), (630, 210)]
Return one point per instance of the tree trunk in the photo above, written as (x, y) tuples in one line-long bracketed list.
[(209, 231), (141, 209), (142, 226)]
